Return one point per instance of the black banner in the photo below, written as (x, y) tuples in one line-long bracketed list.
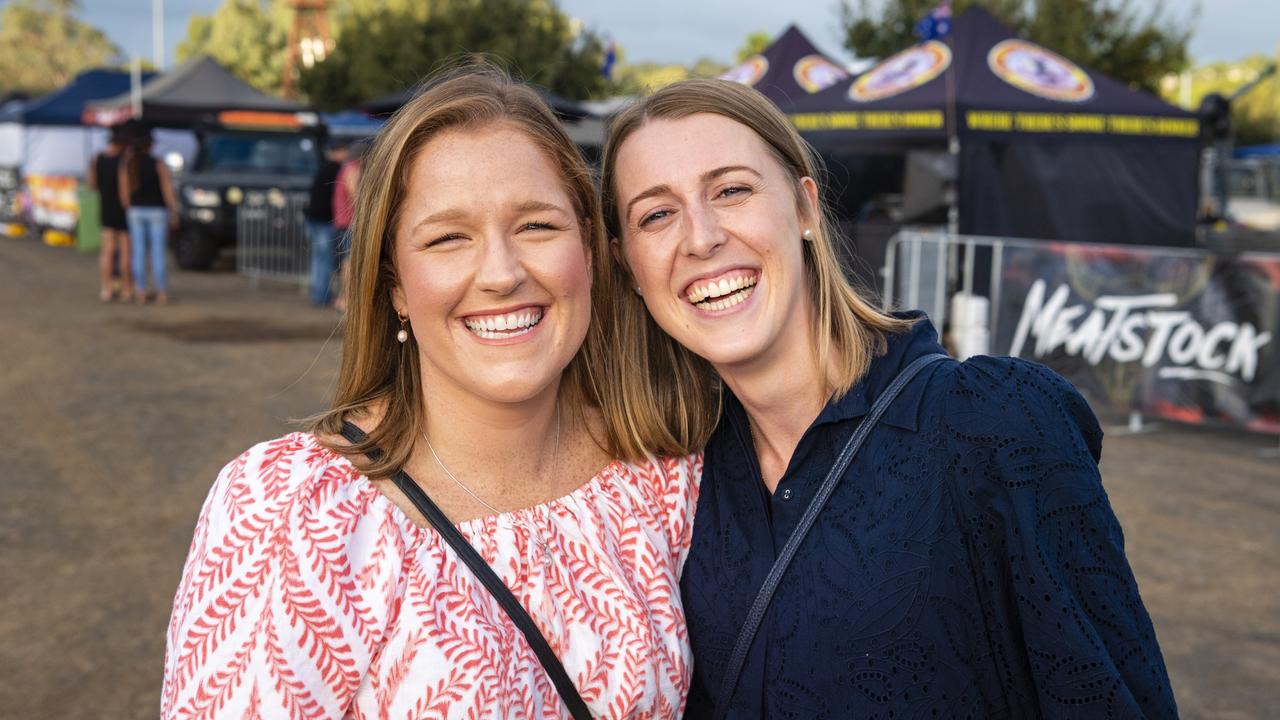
[(1183, 335)]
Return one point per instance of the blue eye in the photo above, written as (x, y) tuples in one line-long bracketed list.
[(734, 190), (651, 217)]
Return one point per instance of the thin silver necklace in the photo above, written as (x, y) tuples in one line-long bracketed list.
[(555, 458)]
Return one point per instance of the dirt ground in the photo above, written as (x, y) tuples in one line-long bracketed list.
[(120, 416)]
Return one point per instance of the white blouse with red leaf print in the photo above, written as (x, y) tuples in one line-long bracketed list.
[(308, 594)]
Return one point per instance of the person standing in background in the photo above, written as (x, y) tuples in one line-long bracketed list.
[(344, 195), (320, 221), (113, 256), (147, 195)]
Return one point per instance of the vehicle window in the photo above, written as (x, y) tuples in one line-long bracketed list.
[(280, 154)]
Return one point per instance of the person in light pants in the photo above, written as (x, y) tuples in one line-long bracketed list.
[(146, 192)]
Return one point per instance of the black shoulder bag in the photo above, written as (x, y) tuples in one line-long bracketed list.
[(493, 583), (756, 614)]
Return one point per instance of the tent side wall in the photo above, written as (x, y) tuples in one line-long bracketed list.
[(11, 144), (61, 151), (1080, 190)]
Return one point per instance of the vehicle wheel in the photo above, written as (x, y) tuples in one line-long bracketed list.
[(194, 250)]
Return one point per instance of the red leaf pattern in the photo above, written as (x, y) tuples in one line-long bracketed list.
[(308, 594)]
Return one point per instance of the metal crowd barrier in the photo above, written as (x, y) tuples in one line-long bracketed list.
[(271, 238), (935, 267), (959, 282)]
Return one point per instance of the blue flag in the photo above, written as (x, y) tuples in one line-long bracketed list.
[(610, 57), (937, 24)]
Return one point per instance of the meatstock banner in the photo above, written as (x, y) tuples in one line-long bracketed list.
[(1182, 335)]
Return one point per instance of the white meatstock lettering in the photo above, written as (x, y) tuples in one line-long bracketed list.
[(1131, 328)]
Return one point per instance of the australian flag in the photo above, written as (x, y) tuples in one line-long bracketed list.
[(937, 24)]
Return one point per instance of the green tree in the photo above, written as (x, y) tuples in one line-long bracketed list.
[(382, 48), (645, 77), (248, 37), (755, 44), (1110, 36), (1255, 117), (43, 45)]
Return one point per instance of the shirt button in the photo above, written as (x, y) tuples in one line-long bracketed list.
[(786, 494)]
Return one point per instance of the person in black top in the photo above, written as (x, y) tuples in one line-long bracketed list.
[(104, 173), (147, 195), (965, 563), (320, 221)]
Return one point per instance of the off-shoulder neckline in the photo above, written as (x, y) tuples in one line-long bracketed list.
[(587, 488)]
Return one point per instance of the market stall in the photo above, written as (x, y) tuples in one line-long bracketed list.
[(1022, 141)]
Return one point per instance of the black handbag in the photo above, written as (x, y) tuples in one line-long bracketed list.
[(434, 515), (756, 614)]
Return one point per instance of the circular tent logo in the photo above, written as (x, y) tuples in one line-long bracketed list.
[(1038, 71), (814, 73), (909, 69), (749, 71)]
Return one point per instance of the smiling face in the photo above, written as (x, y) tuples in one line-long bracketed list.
[(711, 231), (493, 273)]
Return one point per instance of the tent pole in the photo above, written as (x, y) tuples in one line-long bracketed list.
[(953, 147), (135, 86), (157, 33)]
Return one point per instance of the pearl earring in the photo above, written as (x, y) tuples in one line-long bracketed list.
[(403, 335), (637, 289), (808, 235)]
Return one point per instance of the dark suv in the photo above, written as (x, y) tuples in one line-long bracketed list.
[(240, 171)]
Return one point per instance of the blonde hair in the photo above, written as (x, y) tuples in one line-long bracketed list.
[(376, 369), (670, 394)]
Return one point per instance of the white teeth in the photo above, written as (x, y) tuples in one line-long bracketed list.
[(505, 325), (726, 290)]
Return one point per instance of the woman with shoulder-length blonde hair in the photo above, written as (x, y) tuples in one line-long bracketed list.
[(881, 531), (464, 533)]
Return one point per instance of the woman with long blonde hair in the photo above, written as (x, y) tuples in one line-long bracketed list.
[(464, 533), (881, 532)]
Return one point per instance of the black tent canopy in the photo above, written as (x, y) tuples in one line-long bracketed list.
[(790, 70), (187, 95), (1046, 148)]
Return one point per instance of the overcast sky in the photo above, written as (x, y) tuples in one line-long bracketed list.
[(684, 30)]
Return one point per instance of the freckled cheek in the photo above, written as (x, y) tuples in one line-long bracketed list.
[(567, 276), (432, 291), (651, 271)]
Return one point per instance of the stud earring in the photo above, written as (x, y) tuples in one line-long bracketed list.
[(808, 235), (403, 335), (637, 289)]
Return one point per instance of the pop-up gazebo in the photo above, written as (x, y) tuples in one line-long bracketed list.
[(187, 95), (789, 71), (45, 135), (1044, 148)]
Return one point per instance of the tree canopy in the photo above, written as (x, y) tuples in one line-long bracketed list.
[(1110, 36), (247, 37), (43, 45), (644, 77), (1255, 117), (755, 43), (381, 48)]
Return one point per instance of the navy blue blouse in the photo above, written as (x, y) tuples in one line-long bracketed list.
[(969, 564)]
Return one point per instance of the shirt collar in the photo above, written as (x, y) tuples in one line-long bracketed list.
[(901, 350)]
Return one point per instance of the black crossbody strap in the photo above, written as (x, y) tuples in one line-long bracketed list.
[(465, 552), (756, 614)]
